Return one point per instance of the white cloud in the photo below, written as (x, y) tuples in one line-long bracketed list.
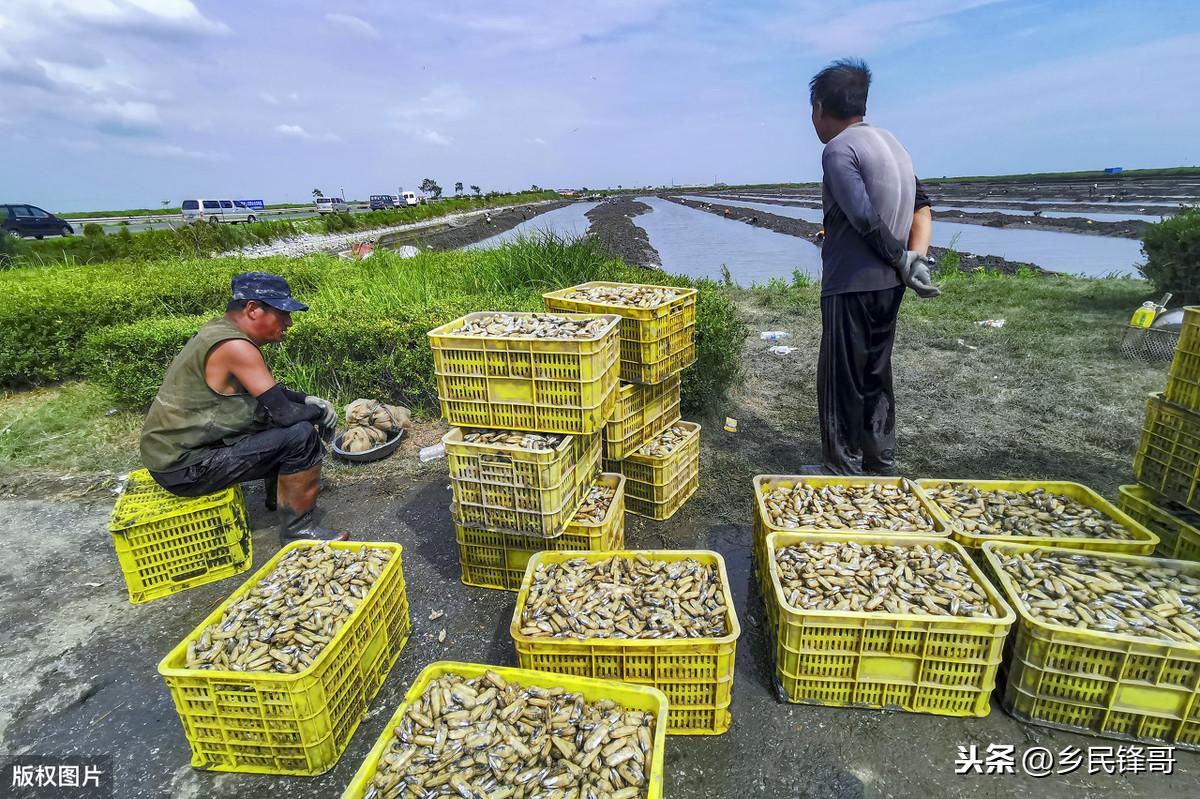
[(354, 24), (297, 132), (175, 151), (447, 101), (535, 140), (130, 116), (147, 17), (433, 137), (268, 98)]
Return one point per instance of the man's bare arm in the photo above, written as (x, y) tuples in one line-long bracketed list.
[(240, 360), (922, 231)]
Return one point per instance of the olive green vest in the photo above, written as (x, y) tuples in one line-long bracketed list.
[(187, 415)]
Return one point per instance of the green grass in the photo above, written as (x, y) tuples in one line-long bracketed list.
[(66, 428)]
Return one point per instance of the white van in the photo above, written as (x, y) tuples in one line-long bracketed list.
[(331, 205), (410, 198), (230, 211)]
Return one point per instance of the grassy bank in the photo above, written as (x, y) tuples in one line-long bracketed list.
[(201, 240), (120, 324)]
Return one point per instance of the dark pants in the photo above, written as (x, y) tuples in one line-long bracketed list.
[(854, 381), (265, 455)]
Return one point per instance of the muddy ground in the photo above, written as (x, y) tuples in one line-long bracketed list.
[(809, 230), (452, 237), (78, 663), (612, 223)]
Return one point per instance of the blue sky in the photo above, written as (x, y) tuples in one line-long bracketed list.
[(125, 103)]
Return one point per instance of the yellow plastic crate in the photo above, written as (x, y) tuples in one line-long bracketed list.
[(1142, 541), (511, 490), (541, 385), (1183, 382), (641, 412), (633, 697), (1097, 683), (764, 483), (687, 484), (1168, 457), (696, 674), (1177, 528), (654, 478), (920, 663), (498, 560), (656, 343), (299, 724), (166, 543)]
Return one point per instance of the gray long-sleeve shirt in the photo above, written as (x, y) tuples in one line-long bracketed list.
[(868, 187)]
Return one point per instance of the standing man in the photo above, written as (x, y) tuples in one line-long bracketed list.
[(877, 229), (221, 419)]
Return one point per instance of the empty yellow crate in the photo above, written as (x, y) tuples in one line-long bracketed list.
[(920, 663), (1142, 541), (1177, 528), (656, 478), (166, 543), (655, 342), (686, 485), (511, 490), (765, 483), (498, 560), (633, 697), (1168, 457), (525, 509), (541, 385), (696, 674), (1183, 382), (641, 412), (299, 724), (1098, 683)]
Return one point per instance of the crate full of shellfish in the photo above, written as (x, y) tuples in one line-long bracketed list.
[(1052, 513), (882, 621), (497, 560), (1177, 528), (510, 481), (642, 412), (658, 324), (663, 473), (278, 677), (572, 617), (609, 737), (814, 504), (1105, 643), (549, 373), (1168, 457)]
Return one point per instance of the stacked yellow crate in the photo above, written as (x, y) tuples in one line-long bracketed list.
[(532, 393), (658, 329), (1167, 464)]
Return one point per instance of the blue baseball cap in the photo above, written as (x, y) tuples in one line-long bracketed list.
[(266, 288)]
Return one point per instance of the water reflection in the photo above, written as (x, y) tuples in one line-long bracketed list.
[(570, 220)]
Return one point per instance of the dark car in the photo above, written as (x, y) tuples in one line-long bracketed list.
[(21, 221), (381, 201)]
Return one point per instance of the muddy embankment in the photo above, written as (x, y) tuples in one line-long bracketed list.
[(810, 230), (452, 236), (612, 223), (1127, 228)]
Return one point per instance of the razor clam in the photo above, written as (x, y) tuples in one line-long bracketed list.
[(486, 738), (1023, 513), (596, 504), (628, 296), (664, 443), (847, 507), (1086, 592), (511, 438), (878, 578), (537, 325), (625, 597), (285, 619)]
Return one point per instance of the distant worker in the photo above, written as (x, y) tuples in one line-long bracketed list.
[(220, 418), (877, 224)]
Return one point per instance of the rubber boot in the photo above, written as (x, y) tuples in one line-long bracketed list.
[(297, 509)]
